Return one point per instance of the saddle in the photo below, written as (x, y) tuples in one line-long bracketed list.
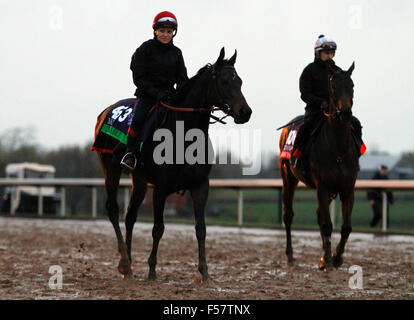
[(111, 129), (286, 153)]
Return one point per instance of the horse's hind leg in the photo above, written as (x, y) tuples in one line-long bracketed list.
[(112, 175), (157, 230), (199, 196), (325, 226), (139, 189), (347, 203), (288, 191)]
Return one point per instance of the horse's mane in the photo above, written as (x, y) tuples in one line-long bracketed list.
[(189, 84)]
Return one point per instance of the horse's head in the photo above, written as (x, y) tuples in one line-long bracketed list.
[(227, 94), (341, 89)]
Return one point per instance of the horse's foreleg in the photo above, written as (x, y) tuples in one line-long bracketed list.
[(157, 230), (199, 196), (139, 189), (325, 226), (288, 191), (347, 203)]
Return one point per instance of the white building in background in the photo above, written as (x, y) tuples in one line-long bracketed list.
[(25, 198), (369, 164)]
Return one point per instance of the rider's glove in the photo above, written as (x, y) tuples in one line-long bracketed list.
[(164, 95)]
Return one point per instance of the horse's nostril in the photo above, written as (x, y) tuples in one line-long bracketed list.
[(245, 111)]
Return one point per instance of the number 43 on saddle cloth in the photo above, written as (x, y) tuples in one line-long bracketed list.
[(112, 126), (111, 129)]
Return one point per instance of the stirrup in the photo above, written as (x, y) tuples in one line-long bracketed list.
[(126, 165)]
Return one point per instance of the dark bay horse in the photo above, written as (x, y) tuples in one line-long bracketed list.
[(214, 85), (333, 166)]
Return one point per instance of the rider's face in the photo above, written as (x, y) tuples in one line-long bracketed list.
[(164, 35), (327, 55)]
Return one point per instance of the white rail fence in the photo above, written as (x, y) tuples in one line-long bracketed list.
[(235, 184)]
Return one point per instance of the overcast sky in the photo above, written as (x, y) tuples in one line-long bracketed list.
[(62, 62)]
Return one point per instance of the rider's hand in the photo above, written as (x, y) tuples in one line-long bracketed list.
[(324, 105), (164, 95)]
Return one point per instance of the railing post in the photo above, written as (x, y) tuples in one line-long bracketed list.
[(332, 212), (13, 194), (384, 211), (94, 202), (240, 207), (40, 203), (62, 201)]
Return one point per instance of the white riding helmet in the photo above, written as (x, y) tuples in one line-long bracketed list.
[(324, 43)]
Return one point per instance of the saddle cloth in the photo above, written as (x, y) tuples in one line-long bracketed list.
[(113, 123), (289, 143), (112, 126)]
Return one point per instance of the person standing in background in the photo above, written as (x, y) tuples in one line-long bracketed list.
[(375, 197)]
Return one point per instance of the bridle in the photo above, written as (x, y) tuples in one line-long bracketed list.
[(221, 105), (335, 111)]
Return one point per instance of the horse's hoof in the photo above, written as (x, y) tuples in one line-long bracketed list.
[(205, 279), (322, 264), (152, 276), (124, 267), (291, 262), (325, 266), (127, 276), (337, 261)]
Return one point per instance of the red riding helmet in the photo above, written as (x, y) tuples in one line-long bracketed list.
[(165, 19)]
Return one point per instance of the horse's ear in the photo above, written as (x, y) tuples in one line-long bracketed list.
[(221, 57), (232, 60), (351, 68)]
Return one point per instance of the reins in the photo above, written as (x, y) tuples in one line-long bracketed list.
[(207, 110), (224, 106), (332, 107)]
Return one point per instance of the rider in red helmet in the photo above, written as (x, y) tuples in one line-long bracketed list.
[(157, 67)]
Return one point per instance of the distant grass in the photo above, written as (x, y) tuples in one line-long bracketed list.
[(261, 209)]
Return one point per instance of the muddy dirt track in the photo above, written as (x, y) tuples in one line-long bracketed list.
[(243, 263)]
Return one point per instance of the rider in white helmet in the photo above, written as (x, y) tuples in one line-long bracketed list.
[(314, 89)]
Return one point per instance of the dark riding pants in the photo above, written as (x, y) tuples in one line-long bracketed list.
[(141, 109), (377, 211), (312, 117)]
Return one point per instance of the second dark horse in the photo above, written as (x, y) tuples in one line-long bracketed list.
[(334, 166), (214, 85)]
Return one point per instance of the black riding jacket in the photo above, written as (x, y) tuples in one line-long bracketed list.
[(375, 194), (314, 84), (157, 67)]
